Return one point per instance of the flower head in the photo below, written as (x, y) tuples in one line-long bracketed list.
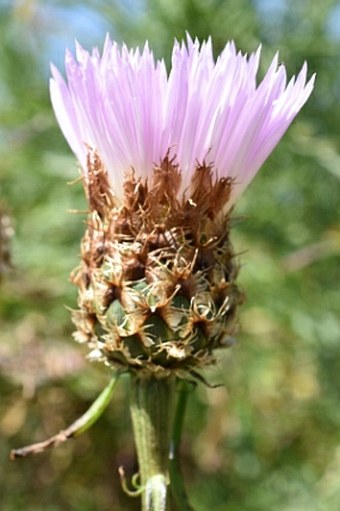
[(164, 158), (124, 105)]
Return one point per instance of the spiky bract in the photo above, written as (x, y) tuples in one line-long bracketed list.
[(156, 284)]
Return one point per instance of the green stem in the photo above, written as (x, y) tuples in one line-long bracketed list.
[(152, 415), (177, 483), (79, 426)]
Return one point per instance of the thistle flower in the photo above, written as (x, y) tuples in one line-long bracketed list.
[(164, 157)]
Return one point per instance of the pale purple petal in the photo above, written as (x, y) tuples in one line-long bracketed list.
[(125, 106)]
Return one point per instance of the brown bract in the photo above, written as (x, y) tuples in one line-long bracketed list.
[(157, 289)]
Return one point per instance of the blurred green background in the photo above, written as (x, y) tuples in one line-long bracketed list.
[(270, 437)]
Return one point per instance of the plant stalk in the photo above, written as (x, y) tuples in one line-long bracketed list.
[(151, 405), (177, 484)]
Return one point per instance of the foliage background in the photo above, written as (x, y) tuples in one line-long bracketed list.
[(269, 438)]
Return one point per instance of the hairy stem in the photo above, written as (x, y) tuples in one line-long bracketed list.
[(151, 405)]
